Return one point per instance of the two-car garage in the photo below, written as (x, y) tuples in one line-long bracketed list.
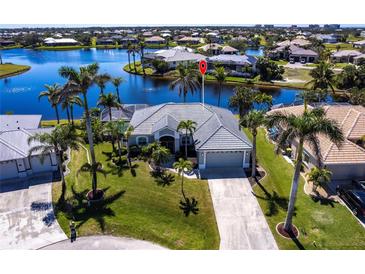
[(219, 159)]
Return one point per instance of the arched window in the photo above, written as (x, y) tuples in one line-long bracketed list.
[(142, 140)]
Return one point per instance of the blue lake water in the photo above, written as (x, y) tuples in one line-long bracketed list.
[(258, 52), (19, 94)]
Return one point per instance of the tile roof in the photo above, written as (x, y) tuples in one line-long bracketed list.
[(351, 119), (125, 113), (11, 122), (232, 59), (217, 128)]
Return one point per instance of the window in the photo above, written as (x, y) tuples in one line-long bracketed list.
[(142, 140), (306, 158)]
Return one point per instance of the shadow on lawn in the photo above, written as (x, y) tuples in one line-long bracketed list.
[(118, 170), (162, 178), (78, 210)]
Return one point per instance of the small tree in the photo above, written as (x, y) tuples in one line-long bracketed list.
[(53, 94), (189, 126), (319, 177)]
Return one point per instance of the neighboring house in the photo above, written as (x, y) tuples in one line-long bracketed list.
[(174, 57), (214, 37), (229, 50), (348, 161), (126, 40), (217, 141), (190, 40), (105, 41), (6, 43), (296, 42), (345, 56), (362, 33), (359, 44), (125, 113), (14, 148), (233, 63), (13, 122), (295, 53), (60, 42), (359, 60), (327, 38), (157, 40)]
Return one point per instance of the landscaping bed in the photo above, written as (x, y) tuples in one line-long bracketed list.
[(7, 70), (136, 205)]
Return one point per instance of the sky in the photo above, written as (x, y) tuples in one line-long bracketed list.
[(187, 12)]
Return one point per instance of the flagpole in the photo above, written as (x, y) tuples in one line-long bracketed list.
[(203, 89)]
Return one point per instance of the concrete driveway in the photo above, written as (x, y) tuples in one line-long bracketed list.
[(26, 214), (104, 243), (241, 223)]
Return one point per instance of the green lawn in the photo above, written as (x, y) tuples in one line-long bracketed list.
[(330, 226), (297, 74), (136, 206), (343, 46), (149, 71), (11, 69)]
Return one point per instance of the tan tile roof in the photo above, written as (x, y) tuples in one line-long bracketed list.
[(351, 119)]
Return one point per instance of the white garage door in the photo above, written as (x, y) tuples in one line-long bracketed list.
[(8, 170), (224, 159)]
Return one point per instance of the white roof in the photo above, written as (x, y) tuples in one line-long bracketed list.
[(12, 122), (61, 40)]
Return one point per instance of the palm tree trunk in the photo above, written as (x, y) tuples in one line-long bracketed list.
[(142, 62), (119, 149), (182, 185), (110, 119), (186, 144), (129, 60), (57, 115), (59, 156), (294, 187), (68, 114), (117, 89), (72, 113), (253, 172), (134, 62), (91, 144)]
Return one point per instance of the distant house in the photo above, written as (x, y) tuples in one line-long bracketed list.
[(296, 42), (105, 41), (292, 52), (345, 56), (125, 113), (211, 49), (348, 161), (359, 60), (359, 44), (14, 148), (213, 37), (327, 38), (147, 34), (60, 42), (217, 142), (6, 43), (189, 40), (174, 57), (157, 40), (237, 65), (229, 50), (128, 40)]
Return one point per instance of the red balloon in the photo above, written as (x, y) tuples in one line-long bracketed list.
[(203, 66)]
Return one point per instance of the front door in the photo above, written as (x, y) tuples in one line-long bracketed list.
[(169, 142)]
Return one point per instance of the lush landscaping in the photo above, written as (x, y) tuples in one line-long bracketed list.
[(136, 206), (11, 69), (148, 71), (322, 225)]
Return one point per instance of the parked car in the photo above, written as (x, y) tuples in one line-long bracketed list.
[(359, 183), (303, 61), (354, 199), (291, 61)]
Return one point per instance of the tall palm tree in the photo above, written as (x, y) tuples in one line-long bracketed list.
[(127, 131), (117, 81), (57, 141), (253, 120), (142, 46), (323, 77), (109, 101), (185, 82), (101, 80), (181, 167), (74, 100), (319, 177), (53, 95), (189, 126), (220, 75), (244, 99), (134, 51), (79, 82), (129, 50), (304, 128)]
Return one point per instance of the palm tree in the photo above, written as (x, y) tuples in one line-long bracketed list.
[(303, 128), (189, 126), (181, 167), (117, 81), (53, 95), (57, 141), (112, 128), (129, 50), (220, 75), (101, 80), (160, 155), (185, 82), (109, 101), (134, 51), (127, 132), (141, 49), (323, 77), (244, 98), (253, 120), (74, 100), (79, 82), (319, 177)]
